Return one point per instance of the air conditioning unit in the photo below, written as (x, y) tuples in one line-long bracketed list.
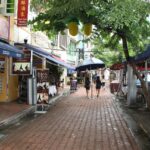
[(7, 7)]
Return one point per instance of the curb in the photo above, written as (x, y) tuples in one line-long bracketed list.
[(31, 110), (15, 118)]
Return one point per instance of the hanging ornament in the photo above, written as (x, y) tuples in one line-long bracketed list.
[(87, 29), (73, 28)]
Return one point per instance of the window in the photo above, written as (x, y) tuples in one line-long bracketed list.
[(1, 3), (10, 6), (63, 41), (71, 48)]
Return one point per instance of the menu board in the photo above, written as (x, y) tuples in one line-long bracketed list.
[(42, 86), (22, 66)]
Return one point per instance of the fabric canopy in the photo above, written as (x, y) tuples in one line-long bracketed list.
[(117, 66), (48, 56), (63, 62), (144, 55), (9, 50)]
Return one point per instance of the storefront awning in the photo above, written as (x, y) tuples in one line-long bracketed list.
[(9, 50), (63, 63), (51, 59), (117, 66), (48, 56), (143, 56)]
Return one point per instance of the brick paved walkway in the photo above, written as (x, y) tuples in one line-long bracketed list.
[(74, 123), (9, 109)]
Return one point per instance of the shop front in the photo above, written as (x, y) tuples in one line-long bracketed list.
[(40, 74), (8, 82)]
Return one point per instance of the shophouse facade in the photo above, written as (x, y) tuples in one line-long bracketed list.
[(8, 82), (59, 52)]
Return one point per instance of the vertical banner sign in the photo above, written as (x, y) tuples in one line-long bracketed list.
[(22, 16), (42, 86)]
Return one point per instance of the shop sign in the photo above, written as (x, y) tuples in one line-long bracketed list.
[(22, 16), (10, 53), (42, 86), (2, 65), (22, 66), (4, 27)]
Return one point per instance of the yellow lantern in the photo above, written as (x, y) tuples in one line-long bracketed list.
[(73, 28), (87, 29)]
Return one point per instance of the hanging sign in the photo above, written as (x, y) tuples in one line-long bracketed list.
[(22, 66), (22, 16)]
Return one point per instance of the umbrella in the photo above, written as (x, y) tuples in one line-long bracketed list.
[(90, 64)]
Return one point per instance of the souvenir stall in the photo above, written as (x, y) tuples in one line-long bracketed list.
[(8, 83), (23, 69), (143, 66), (39, 75), (33, 76)]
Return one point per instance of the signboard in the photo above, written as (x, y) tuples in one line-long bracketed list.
[(4, 27), (22, 66), (42, 86), (2, 65), (22, 15), (10, 53)]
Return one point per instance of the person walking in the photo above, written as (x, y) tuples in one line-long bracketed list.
[(98, 86), (87, 85)]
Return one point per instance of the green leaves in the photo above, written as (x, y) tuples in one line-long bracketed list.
[(112, 19)]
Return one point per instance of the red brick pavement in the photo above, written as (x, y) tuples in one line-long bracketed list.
[(75, 123), (9, 109)]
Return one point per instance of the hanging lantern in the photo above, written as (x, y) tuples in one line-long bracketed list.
[(87, 29), (73, 28)]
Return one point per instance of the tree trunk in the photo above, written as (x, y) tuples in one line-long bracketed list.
[(133, 65), (132, 89)]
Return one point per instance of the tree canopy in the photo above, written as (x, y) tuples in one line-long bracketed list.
[(111, 18), (115, 22)]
